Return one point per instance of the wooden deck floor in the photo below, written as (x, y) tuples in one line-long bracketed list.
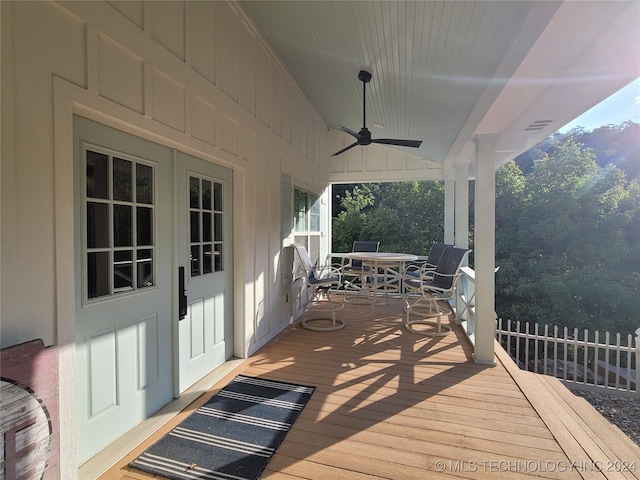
[(390, 404)]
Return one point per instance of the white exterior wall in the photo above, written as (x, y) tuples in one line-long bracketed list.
[(189, 75)]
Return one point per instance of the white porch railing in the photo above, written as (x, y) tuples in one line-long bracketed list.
[(464, 302), (609, 363)]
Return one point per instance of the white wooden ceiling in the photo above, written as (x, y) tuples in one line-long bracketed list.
[(445, 71)]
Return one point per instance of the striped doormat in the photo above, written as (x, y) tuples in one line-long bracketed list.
[(232, 436)]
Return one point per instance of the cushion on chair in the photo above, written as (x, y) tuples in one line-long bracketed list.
[(313, 280)]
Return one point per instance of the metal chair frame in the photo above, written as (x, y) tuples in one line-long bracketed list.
[(319, 308), (433, 288)]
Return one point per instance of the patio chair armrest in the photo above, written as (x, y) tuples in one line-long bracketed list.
[(324, 271), (427, 272)]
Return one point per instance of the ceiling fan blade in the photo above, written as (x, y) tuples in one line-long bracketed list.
[(349, 131), (399, 143), (345, 149)]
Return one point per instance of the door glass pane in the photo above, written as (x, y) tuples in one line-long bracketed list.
[(205, 225), (217, 228), (145, 268), (123, 217), (122, 226), (97, 225), (144, 223), (194, 192), (217, 197), (123, 270), (144, 184), (122, 180), (195, 260), (98, 274), (195, 226), (206, 194), (207, 264), (217, 258), (207, 235), (97, 175)]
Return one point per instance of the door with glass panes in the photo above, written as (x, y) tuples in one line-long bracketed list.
[(124, 289), (204, 259), (131, 244)]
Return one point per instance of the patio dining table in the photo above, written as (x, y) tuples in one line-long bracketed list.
[(385, 261)]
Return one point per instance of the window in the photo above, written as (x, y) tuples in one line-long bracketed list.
[(119, 217), (306, 222)]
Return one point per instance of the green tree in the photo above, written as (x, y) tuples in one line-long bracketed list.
[(567, 228), (407, 216), (566, 241), (348, 224)]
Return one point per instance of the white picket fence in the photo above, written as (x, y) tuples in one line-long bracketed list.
[(581, 360)]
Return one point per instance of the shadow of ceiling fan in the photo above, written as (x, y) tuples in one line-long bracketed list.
[(363, 137)]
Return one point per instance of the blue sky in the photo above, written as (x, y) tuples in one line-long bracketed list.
[(618, 108)]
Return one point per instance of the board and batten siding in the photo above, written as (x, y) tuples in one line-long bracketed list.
[(194, 76)]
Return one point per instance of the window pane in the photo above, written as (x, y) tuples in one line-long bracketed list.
[(97, 225), (207, 235), (123, 270), (206, 194), (97, 175), (314, 214), (98, 274), (302, 240), (207, 263), (300, 211), (122, 226), (217, 197), (314, 202), (144, 226), (145, 268), (314, 248), (194, 192), (122, 180), (195, 260), (195, 226), (144, 184), (314, 221)]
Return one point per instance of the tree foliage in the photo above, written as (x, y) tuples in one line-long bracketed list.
[(567, 229), (568, 251), (406, 216)]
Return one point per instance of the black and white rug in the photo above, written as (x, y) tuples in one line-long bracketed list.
[(232, 436)]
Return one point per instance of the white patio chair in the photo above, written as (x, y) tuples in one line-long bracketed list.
[(319, 310), (433, 288), (431, 262), (355, 273)]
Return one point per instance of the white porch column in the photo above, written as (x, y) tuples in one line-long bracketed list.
[(449, 212), (462, 205), (484, 249)]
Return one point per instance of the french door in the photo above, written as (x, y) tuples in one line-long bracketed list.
[(204, 255), (142, 212), (124, 285)]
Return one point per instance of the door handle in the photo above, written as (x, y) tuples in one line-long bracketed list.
[(182, 295)]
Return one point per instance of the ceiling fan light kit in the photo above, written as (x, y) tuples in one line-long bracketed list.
[(363, 137)]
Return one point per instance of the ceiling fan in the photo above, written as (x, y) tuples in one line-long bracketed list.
[(363, 137)]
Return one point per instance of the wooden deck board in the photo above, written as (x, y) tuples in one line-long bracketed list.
[(390, 404)]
